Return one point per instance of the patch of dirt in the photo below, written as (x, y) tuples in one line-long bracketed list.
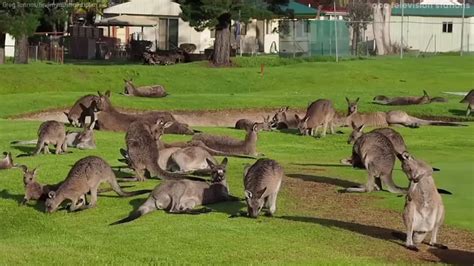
[(317, 196)]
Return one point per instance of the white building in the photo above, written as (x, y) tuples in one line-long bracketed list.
[(9, 46), (171, 30)]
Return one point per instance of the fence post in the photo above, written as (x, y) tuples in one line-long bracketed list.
[(36, 53)]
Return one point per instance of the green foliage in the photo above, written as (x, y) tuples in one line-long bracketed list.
[(21, 17)]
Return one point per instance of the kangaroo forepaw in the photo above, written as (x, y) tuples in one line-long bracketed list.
[(413, 248), (437, 245)]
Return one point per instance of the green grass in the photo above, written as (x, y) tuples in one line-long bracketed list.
[(28, 236)]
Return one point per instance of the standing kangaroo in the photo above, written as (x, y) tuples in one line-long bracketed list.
[(183, 195), (54, 133), (319, 113), (226, 144), (85, 176), (382, 119), (76, 115), (424, 209), (407, 100), (262, 183), (247, 124), (469, 99), (375, 152), (395, 138), (282, 120), (111, 119), (7, 161), (154, 91)]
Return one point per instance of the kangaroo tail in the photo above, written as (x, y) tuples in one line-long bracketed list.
[(220, 153), (418, 121), (439, 100), (147, 207), (24, 142), (116, 187), (443, 191)]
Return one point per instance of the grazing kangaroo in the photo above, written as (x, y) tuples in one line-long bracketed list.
[(154, 91), (7, 161), (54, 133), (374, 152), (76, 115), (407, 100), (424, 209), (262, 183), (282, 120), (183, 195), (469, 99), (85, 176), (382, 119), (248, 146), (247, 124), (111, 119), (319, 113), (395, 138)]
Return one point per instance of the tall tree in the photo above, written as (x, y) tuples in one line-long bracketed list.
[(218, 14), (359, 15)]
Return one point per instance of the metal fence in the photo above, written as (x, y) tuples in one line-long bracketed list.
[(46, 52)]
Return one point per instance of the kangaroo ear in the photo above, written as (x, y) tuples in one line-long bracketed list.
[(23, 168), (99, 93), (248, 194), (259, 194), (425, 93), (347, 100), (125, 80), (107, 93), (224, 161), (306, 119), (67, 114), (297, 118), (354, 126), (210, 163), (361, 128), (168, 124), (357, 100), (52, 194), (35, 171), (286, 108)]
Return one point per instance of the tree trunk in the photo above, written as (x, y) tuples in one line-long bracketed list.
[(21, 50), (3, 37), (378, 29), (355, 40), (387, 10), (221, 56)]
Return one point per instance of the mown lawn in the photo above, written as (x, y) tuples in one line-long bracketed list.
[(304, 230)]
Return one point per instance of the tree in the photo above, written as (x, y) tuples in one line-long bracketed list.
[(359, 15), (22, 18), (218, 14), (382, 14)]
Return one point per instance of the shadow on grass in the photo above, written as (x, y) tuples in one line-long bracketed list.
[(458, 112), (323, 165), (38, 205), (326, 180), (367, 230), (454, 256)]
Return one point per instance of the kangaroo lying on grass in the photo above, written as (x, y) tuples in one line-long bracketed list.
[(407, 100), (469, 99), (375, 152), (384, 119), (154, 91), (111, 119), (82, 140), (424, 209), (76, 115), (7, 161), (246, 124), (283, 120), (85, 176), (262, 183), (319, 113), (182, 196), (226, 144)]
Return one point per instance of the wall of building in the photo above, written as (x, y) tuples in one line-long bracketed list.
[(9, 46)]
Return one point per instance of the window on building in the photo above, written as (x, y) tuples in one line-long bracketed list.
[(448, 27)]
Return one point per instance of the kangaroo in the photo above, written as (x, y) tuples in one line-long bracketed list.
[(154, 91), (319, 113), (248, 146), (395, 138), (7, 161), (469, 99), (183, 195), (51, 132), (82, 140), (85, 176), (382, 119), (189, 159), (281, 120), (111, 119), (247, 124), (407, 100), (262, 183), (375, 152), (76, 115), (33, 189), (424, 209)]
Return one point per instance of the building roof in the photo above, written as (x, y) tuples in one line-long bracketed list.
[(145, 8), (300, 10), (433, 10), (441, 2), (126, 20)]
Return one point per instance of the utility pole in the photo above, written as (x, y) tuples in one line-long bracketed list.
[(402, 3), (335, 31), (462, 25)]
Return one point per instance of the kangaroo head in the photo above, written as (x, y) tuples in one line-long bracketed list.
[(28, 176), (413, 168), (218, 171), (357, 132), (425, 96), (52, 203), (255, 202), (302, 124), (158, 129), (86, 136), (128, 86), (103, 103), (352, 106), (279, 116)]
